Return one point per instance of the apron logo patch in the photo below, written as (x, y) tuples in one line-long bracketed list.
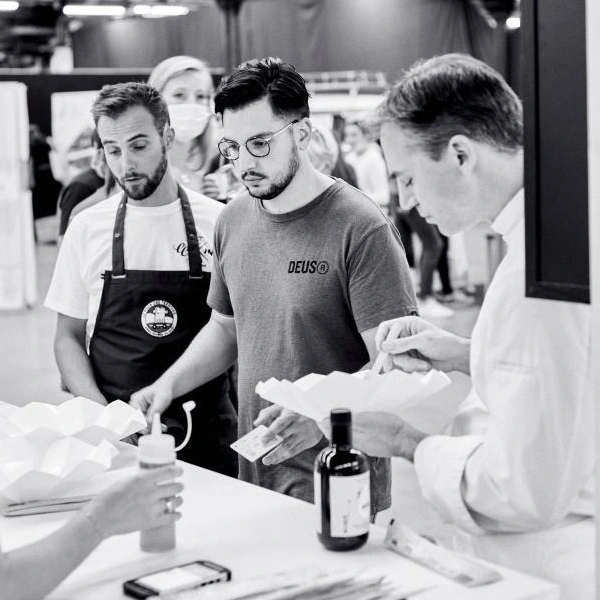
[(159, 318)]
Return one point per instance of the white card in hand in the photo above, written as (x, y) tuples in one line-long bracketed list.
[(251, 446)]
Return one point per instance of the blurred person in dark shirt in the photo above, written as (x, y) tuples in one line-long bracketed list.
[(82, 186)]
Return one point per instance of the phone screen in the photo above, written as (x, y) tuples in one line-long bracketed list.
[(178, 578)]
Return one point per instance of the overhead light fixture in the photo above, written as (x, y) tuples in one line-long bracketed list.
[(513, 21), (93, 10), (8, 6), (156, 11)]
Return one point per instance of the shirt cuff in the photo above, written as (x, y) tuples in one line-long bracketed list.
[(440, 462)]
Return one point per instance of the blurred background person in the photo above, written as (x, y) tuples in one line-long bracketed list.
[(109, 188), (82, 185), (325, 155), (45, 189), (366, 159), (186, 85), (148, 500)]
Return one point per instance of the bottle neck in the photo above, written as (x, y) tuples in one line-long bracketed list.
[(341, 436)]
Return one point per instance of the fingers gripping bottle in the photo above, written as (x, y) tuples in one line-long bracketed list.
[(342, 489)]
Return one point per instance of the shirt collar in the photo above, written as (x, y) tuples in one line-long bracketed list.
[(510, 215)]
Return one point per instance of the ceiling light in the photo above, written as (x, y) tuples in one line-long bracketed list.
[(8, 6), (514, 19), (160, 10), (93, 10), (513, 22)]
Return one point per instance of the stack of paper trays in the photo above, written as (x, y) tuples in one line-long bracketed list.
[(45, 449), (33, 472), (413, 396), (78, 417)]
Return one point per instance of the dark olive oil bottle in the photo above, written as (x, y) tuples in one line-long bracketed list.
[(342, 489)]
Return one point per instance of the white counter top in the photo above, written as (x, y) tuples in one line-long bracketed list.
[(253, 532)]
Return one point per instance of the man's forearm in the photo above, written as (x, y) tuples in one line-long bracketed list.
[(211, 353), (76, 369)]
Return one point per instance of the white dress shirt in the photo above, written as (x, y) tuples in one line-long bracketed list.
[(522, 450)]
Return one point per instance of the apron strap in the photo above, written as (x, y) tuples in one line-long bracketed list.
[(118, 252), (194, 258)]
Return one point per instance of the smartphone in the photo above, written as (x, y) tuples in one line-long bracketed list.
[(176, 579)]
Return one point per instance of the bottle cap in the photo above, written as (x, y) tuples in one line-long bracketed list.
[(157, 448), (341, 416), (341, 427)]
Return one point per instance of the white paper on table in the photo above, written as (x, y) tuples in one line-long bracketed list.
[(79, 417), (29, 471), (413, 397)]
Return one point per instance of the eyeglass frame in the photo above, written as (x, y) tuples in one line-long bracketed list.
[(267, 139)]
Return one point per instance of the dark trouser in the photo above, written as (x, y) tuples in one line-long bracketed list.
[(432, 247), (443, 267)]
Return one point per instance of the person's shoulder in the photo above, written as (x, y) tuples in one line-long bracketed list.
[(350, 202), (98, 213), (88, 179), (237, 208), (204, 205)]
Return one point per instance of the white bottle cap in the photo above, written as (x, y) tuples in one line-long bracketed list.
[(156, 448)]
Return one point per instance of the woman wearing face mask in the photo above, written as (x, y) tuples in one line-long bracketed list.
[(186, 85)]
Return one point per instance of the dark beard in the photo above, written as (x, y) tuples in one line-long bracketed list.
[(141, 191), (282, 181)]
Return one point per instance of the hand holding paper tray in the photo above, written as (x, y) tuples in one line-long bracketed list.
[(413, 397), (78, 417)]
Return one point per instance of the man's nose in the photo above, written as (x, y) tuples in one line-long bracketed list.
[(128, 162), (245, 160), (407, 198)]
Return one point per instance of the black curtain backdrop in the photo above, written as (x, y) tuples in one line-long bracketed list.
[(314, 35)]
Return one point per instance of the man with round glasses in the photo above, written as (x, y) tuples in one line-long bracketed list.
[(306, 267)]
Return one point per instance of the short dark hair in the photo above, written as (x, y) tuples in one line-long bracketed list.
[(114, 100), (455, 94), (272, 78)]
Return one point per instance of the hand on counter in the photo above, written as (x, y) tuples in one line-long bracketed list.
[(416, 345), (299, 433)]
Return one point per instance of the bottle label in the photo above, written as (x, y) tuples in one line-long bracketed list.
[(350, 505)]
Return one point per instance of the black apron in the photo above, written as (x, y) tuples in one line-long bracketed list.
[(145, 321)]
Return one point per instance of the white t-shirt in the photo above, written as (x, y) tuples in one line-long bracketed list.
[(155, 240)]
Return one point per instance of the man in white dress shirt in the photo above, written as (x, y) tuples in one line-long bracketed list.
[(514, 472)]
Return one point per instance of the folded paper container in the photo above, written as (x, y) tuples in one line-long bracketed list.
[(414, 397), (46, 450)]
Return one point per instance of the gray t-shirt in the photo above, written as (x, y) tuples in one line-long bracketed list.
[(302, 286)]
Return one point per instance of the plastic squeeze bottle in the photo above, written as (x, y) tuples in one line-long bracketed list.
[(157, 450)]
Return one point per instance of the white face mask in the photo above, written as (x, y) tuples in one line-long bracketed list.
[(188, 120)]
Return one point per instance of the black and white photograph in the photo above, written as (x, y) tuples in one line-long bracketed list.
[(299, 299)]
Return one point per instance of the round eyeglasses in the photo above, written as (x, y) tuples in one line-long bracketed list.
[(257, 146)]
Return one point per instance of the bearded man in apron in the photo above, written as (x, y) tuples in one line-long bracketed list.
[(132, 276)]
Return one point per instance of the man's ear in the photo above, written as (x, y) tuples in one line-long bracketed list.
[(462, 152), (303, 133), (168, 136)]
